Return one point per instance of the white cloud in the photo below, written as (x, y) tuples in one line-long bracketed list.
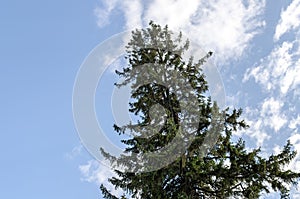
[(269, 114), (257, 131), (96, 172), (280, 69), (294, 122), (133, 10), (257, 126), (174, 13), (104, 13), (277, 149), (272, 115), (278, 75), (290, 19), (76, 151), (225, 27)]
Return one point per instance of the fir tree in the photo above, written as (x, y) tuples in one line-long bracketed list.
[(222, 170)]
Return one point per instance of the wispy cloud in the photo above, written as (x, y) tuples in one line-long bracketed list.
[(133, 12), (76, 151), (271, 68), (96, 172), (280, 69), (290, 19), (272, 114), (103, 13), (225, 27), (267, 117), (278, 76), (257, 130), (294, 123)]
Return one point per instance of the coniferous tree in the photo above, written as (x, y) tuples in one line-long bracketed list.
[(223, 168)]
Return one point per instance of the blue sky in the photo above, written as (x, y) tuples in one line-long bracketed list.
[(42, 45)]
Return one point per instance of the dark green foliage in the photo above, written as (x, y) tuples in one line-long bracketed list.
[(226, 170)]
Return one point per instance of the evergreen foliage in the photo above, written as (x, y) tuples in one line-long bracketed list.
[(225, 170)]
